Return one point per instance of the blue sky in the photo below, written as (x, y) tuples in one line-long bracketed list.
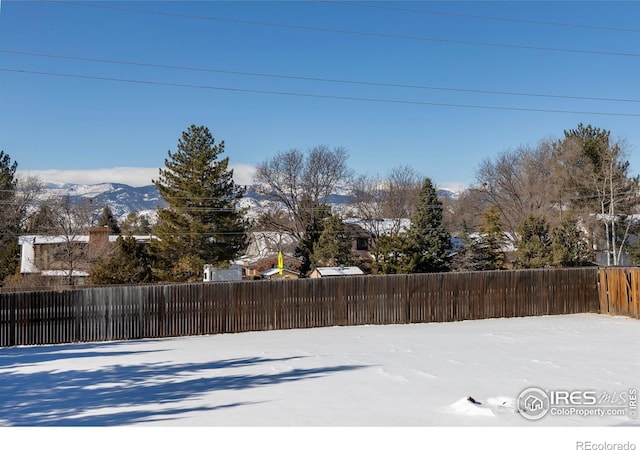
[(62, 108)]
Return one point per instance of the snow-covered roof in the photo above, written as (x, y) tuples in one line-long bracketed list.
[(265, 244), (61, 239), (339, 271), (56, 239), (269, 272), (380, 226), (273, 271), (64, 273)]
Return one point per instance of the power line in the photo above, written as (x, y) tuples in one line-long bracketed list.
[(322, 96), (474, 16), (326, 80), (352, 32)]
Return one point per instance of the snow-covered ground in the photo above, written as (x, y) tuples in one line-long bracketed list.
[(417, 375)]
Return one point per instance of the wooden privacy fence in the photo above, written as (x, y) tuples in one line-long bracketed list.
[(153, 311), (620, 291)]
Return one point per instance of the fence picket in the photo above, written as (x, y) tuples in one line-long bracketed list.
[(131, 312)]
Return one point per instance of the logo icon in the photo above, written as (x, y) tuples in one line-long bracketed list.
[(533, 403)]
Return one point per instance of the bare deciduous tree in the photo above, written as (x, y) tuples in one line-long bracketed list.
[(522, 183), (464, 214), (298, 182), (392, 197), (70, 221), (598, 186)]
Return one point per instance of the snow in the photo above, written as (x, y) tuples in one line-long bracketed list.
[(416, 375), (85, 190), (338, 271)]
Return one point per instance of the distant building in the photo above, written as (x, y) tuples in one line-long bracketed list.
[(45, 261), (340, 271), (262, 253), (274, 274), (231, 273)]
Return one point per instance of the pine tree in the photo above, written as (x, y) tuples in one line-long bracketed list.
[(136, 223), (388, 254), (107, 220), (569, 247), (312, 232), (428, 245), (9, 219), (128, 263), (492, 236), (202, 222), (483, 250), (42, 221), (334, 245), (534, 244)]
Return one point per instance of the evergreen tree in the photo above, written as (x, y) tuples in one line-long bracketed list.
[(569, 247), (9, 218), (492, 234), (312, 232), (534, 244), (333, 248), (428, 245), (128, 263), (202, 222), (43, 221), (136, 223), (483, 250), (107, 220), (388, 254), (598, 182)]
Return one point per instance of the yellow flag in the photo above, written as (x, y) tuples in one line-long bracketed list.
[(280, 263)]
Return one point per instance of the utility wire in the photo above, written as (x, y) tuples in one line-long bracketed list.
[(352, 32), (307, 95), (474, 16), (326, 80)]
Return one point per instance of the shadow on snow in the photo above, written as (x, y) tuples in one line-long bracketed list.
[(144, 392)]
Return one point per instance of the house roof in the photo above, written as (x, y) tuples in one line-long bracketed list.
[(265, 244), (339, 271), (61, 239), (380, 226), (275, 270), (64, 273)]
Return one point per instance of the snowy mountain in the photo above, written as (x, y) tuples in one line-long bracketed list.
[(123, 199), (120, 198)]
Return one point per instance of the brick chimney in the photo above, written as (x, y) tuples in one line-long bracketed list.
[(98, 240)]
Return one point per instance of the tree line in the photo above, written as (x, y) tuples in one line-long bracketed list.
[(548, 205)]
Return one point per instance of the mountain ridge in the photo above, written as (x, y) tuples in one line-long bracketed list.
[(123, 199)]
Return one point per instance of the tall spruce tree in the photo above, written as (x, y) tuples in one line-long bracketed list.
[(569, 245), (428, 244), (534, 243), (311, 235), (107, 220), (492, 237), (129, 262), (334, 245), (599, 185), (9, 218), (202, 222)]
